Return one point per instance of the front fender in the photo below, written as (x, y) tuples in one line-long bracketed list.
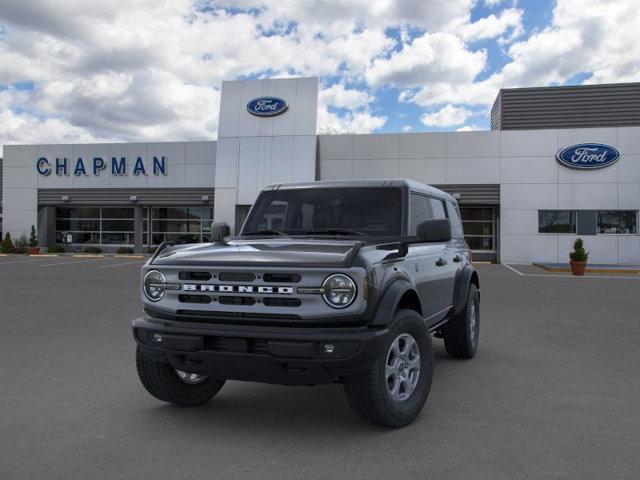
[(389, 300)]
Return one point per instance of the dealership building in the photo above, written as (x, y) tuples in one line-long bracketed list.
[(559, 162)]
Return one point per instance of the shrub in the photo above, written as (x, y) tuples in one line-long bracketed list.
[(20, 245), (152, 249), (124, 250), (92, 249), (579, 254), (7, 244), (33, 239), (56, 249)]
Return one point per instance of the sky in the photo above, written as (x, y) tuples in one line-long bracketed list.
[(77, 71)]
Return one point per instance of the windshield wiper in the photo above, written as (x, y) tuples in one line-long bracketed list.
[(267, 231), (336, 231)]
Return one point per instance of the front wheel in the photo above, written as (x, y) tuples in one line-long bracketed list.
[(392, 390), (175, 386)]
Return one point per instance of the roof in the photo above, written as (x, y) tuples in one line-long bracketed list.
[(382, 183)]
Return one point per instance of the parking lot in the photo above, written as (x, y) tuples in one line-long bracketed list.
[(553, 392)]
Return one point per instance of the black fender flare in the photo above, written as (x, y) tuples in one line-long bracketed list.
[(464, 277), (389, 300)]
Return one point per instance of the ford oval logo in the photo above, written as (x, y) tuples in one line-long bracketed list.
[(588, 156), (267, 106)]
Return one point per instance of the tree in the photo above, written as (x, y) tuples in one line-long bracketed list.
[(33, 239), (7, 244)]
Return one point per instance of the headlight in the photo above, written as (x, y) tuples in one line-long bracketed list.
[(154, 285), (339, 290)]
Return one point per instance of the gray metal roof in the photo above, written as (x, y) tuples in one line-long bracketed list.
[(576, 106)]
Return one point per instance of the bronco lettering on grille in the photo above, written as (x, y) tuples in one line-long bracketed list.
[(260, 289)]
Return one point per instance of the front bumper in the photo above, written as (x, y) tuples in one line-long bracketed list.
[(289, 356)]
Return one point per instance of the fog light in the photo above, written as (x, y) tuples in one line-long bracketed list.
[(157, 338), (328, 349)]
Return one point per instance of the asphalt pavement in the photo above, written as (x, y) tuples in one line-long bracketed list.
[(554, 391)]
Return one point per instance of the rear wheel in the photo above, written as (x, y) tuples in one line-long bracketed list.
[(462, 332), (392, 390), (175, 386)]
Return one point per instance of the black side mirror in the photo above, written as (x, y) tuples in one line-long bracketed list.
[(219, 230), (435, 230)]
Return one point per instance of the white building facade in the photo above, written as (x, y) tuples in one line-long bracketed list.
[(519, 203)]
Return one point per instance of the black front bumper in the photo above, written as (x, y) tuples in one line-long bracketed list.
[(289, 356)]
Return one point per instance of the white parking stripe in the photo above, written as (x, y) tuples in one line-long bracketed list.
[(120, 264), (566, 276), (513, 270), (22, 261), (69, 263)]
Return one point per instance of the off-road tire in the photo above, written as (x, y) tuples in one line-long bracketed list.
[(458, 339), (161, 381), (367, 393)]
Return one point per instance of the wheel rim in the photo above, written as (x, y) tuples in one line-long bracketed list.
[(402, 368), (191, 378), (473, 322)]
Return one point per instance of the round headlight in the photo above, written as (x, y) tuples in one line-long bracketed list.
[(154, 285), (339, 290)]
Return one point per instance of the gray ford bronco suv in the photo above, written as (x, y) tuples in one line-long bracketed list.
[(326, 282)]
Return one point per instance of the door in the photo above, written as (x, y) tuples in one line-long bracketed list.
[(433, 263), (447, 263)]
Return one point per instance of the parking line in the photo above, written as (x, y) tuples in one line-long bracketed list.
[(120, 264), (513, 270), (565, 276), (69, 263), (21, 261)]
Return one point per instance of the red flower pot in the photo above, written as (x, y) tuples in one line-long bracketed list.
[(578, 268)]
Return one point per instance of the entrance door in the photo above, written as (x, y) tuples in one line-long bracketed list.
[(480, 231)]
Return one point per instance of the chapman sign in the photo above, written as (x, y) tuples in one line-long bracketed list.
[(267, 106), (588, 156), (96, 165)]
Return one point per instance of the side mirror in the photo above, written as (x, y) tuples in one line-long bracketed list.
[(435, 230), (219, 230)]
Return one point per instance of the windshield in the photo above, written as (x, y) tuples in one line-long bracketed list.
[(330, 211)]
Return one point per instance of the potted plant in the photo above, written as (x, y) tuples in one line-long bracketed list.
[(578, 258), (33, 242)]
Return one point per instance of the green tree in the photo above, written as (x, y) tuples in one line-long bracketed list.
[(7, 244), (33, 239), (579, 254)]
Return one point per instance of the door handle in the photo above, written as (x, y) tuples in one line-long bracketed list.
[(441, 262), (456, 258)]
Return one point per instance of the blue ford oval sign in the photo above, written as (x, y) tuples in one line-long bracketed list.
[(588, 156), (267, 106)]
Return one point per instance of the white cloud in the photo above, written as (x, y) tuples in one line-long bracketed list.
[(407, 128), (469, 128), (447, 116), (151, 69), (509, 20), (338, 96), (432, 57)]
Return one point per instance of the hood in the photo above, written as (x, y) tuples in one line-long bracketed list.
[(275, 252)]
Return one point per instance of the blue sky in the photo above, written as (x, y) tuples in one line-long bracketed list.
[(77, 71)]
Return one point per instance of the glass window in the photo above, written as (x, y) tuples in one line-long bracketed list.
[(114, 212), (78, 212), (454, 216), (556, 221), (437, 208), (179, 224), (419, 212), (478, 225), (373, 211), (618, 221)]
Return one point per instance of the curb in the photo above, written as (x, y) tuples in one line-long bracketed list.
[(128, 256)]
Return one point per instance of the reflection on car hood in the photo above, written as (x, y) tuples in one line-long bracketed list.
[(273, 252)]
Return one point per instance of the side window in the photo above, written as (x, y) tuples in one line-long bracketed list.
[(454, 216), (419, 212), (437, 206)]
